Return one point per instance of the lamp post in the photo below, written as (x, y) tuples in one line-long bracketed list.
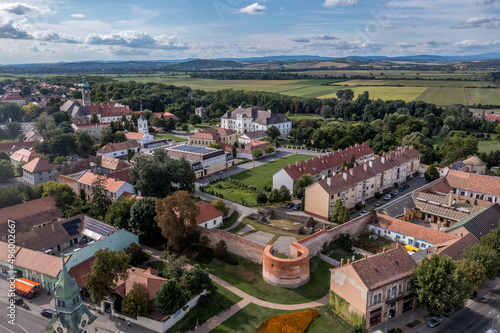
[(494, 314), (388, 316)]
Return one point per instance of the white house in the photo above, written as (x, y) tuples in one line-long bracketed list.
[(114, 188), (119, 149), (408, 233), (248, 137), (253, 119), (38, 171), (143, 136), (209, 217)]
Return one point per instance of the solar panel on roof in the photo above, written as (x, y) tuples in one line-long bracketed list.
[(98, 227), (72, 226)]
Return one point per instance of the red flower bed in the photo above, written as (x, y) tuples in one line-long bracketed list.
[(296, 322)]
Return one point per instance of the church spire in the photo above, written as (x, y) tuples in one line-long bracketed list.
[(85, 92)]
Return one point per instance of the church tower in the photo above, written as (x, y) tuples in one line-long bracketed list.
[(142, 123), (85, 92), (71, 315)]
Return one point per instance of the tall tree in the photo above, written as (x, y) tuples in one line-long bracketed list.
[(440, 284), (220, 205), (340, 213), (64, 194), (94, 119), (107, 269), (142, 214), (492, 240), (137, 303), (273, 132), (197, 280), (475, 272), (6, 170), (300, 185), (176, 217), (431, 173), (118, 214), (84, 143), (486, 256), (100, 197), (170, 298)]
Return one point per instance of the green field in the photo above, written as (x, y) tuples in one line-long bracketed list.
[(484, 145), (444, 96), (247, 276), (263, 175), (485, 96), (252, 315), (396, 74), (170, 136), (415, 83), (407, 94)]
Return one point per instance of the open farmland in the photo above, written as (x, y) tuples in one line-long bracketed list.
[(485, 96), (414, 83), (385, 93), (444, 96)]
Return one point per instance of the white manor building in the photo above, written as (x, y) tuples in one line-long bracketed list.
[(254, 119)]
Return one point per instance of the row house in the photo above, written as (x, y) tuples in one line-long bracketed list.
[(474, 185), (376, 287), (322, 166), (359, 184)]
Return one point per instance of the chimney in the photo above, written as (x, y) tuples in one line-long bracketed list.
[(365, 167), (344, 174), (449, 198), (366, 256), (351, 172), (348, 261), (370, 163), (329, 181), (397, 245), (133, 269), (383, 250), (53, 227), (341, 262), (322, 176), (382, 159)]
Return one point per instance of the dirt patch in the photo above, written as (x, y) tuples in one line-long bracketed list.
[(285, 224)]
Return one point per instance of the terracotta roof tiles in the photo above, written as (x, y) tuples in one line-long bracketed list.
[(207, 212), (473, 182), (38, 165)]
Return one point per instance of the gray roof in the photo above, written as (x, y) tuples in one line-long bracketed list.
[(255, 134), (73, 109), (259, 115), (481, 223), (397, 208), (194, 149)]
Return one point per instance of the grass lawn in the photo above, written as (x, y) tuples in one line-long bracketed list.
[(230, 220), (170, 136), (339, 257), (484, 145), (247, 276), (222, 299), (262, 227), (263, 175), (232, 192), (374, 245), (252, 315)]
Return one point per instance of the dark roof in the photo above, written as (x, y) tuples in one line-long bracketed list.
[(259, 115), (452, 248), (397, 208), (255, 134), (384, 268), (481, 223)]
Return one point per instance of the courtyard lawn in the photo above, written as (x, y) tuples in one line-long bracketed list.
[(222, 299), (262, 227), (252, 315), (170, 136), (230, 220), (247, 276), (374, 245), (263, 175)]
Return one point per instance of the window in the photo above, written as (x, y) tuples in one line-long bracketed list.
[(388, 293), (408, 284), (393, 292), (400, 288)]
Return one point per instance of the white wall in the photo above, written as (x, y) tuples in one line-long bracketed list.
[(404, 239), (118, 153), (211, 225), (282, 178), (126, 187)]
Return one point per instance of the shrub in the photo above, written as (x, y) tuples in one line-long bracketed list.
[(205, 256), (230, 259), (220, 249)]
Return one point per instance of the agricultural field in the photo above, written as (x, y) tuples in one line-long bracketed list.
[(396, 74), (484, 145), (485, 96), (415, 83), (443, 96), (407, 94)]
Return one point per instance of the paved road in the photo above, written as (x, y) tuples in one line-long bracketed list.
[(11, 182), (26, 321)]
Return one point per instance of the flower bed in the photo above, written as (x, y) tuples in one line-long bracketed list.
[(296, 322)]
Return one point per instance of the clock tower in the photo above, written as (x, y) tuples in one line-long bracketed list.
[(85, 92), (71, 315)]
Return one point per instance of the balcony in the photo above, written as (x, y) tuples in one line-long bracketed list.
[(398, 297)]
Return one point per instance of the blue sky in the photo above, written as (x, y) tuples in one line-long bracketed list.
[(65, 30)]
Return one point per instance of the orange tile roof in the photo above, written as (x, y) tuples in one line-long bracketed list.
[(473, 182), (23, 155), (77, 272), (134, 135), (454, 248), (111, 147), (38, 165), (413, 230), (207, 212), (112, 163), (110, 110), (203, 136), (26, 209), (111, 184), (139, 276), (383, 268), (12, 97), (39, 262)]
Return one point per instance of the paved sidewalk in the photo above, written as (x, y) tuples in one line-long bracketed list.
[(221, 317)]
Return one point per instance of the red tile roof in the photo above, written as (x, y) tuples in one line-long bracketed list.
[(110, 110), (454, 248), (111, 184), (111, 147), (12, 97), (413, 230), (139, 276), (207, 212), (383, 268), (29, 208), (77, 272), (8, 147), (23, 155), (39, 262), (316, 165), (166, 115), (134, 135), (38, 165), (473, 182), (203, 136), (114, 164)]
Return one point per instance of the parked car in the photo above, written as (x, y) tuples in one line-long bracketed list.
[(406, 186), (449, 313), (401, 189), (289, 205), (363, 212), (377, 204), (434, 322), (422, 175), (17, 300), (297, 206), (474, 294), (388, 197), (265, 156), (47, 313), (395, 193), (221, 173)]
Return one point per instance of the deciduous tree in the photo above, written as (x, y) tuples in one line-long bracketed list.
[(197, 280), (257, 153), (171, 297), (107, 269), (273, 132), (220, 205), (431, 173), (142, 223), (340, 213), (137, 303), (6, 170), (486, 256), (176, 217), (118, 214), (100, 196), (300, 185)]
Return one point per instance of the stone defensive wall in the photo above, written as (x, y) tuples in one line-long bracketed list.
[(286, 273)]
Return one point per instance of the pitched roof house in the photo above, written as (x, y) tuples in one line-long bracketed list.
[(38, 171), (375, 285), (119, 149), (115, 188), (209, 217), (474, 185), (22, 156)]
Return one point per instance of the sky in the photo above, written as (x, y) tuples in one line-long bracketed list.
[(34, 31)]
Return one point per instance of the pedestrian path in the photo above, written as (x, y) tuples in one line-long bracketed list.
[(221, 317)]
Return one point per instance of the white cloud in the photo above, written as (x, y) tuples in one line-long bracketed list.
[(253, 9), (136, 39), (307, 39), (477, 22), (33, 48), (404, 45), (78, 15), (434, 44), (468, 43), (301, 39), (52, 36), (339, 3), (12, 31), (17, 8)]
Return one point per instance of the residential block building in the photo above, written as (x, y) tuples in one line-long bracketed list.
[(474, 185), (360, 183), (114, 188), (209, 136), (375, 287), (322, 166), (38, 171), (254, 118)]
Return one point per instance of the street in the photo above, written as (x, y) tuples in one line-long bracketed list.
[(11, 182), (26, 321)]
